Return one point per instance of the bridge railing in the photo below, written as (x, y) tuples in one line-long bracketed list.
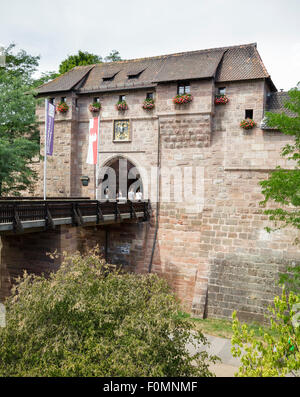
[(18, 211)]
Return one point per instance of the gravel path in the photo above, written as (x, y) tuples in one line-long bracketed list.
[(220, 347)]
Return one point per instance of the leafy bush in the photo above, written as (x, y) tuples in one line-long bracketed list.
[(89, 319), (274, 355), (291, 279)]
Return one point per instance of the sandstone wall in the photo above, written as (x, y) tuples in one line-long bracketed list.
[(212, 247), (120, 244)]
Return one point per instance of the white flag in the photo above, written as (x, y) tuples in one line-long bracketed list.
[(93, 141)]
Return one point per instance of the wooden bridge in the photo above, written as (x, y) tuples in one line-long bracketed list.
[(18, 214)]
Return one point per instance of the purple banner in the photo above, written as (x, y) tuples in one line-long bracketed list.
[(50, 113)]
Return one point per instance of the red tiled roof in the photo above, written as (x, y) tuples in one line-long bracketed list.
[(224, 64), (241, 63)]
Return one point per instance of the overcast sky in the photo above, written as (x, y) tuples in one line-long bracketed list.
[(140, 28)]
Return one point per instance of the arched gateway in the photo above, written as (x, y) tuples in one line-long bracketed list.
[(119, 176)]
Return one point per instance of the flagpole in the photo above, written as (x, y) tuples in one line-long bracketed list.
[(97, 164), (45, 149)]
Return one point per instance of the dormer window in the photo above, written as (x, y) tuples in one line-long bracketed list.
[(135, 73), (183, 88), (133, 76), (222, 91), (109, 76)]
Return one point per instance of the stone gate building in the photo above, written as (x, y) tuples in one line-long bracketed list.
[(214, 249)]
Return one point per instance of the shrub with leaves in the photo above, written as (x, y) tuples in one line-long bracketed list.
[(89, 319), (277, 352), (291, 279)]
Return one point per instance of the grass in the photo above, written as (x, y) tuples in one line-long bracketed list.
[(221, 327)]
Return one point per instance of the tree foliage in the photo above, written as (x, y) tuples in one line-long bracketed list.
[(283, 186), (291, 279), (277, 353), (113, 56), (20, 64), (89, 319), (19, 137), (85, 58), (80, 59)]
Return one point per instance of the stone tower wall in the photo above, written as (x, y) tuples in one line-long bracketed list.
[(213, 247)]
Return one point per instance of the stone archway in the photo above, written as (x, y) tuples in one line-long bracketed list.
[(119, 174)]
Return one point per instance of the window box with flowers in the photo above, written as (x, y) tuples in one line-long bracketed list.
[(148, 104), (221, 100), (121, 105), (62, 107), (247, 124), (95, 107), (181, 99)]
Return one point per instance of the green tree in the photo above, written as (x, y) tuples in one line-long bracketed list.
[(86, 58), (80, 59), (19, 136), (283, 186), (90, 319), (20, 64), (113, 56), (277, 351)]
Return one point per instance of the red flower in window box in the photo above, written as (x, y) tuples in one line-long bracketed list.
[(221, 100), (247, 124), (62, 107), (95, 107), (180, 99), (121, 105), (148, 104)]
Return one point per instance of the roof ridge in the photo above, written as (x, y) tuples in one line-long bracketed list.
[(205, 63), (178, 54)]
